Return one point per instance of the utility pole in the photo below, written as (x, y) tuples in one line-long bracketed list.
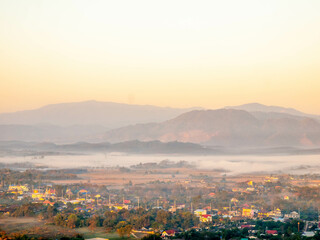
[(138, 202)]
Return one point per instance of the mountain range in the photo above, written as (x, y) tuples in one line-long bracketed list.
[(137, 147), (249, 125), (281, 111), (106, 114), (227, 128)]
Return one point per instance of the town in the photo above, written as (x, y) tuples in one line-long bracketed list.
[(202, 204)]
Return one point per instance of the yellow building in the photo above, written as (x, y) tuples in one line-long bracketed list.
[(205, 218), (121, 206), (18, 189), (37, 195), (200, 212), (247, 212)]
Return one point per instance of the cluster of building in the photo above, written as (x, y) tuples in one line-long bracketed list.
[(245, 213), (83, 197), (84, 200)]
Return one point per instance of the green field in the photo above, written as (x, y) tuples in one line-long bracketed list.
[(99, 233)]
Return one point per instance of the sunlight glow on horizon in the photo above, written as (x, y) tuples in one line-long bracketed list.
[(169, 53)]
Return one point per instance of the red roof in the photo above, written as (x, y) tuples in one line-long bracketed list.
[(272, 232), (170, 232), (206, 215), (245, 226)]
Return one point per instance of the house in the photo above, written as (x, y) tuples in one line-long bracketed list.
[(246, 226), (308, 234), (236, 190), (168, 233), (212, 194), (19, 198), (234, 213), (205, 218), (47, 202), (263, 214), (272, 232), (181, 206), (200, 212), (172, 209), (144, 231), (20, 189), (276, 219), (37, 195), (246, 212), (293, 215), (275, 213)]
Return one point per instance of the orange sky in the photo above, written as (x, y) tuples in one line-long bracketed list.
[(166, 53)]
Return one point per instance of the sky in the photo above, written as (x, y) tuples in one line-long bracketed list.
[(209, 54)]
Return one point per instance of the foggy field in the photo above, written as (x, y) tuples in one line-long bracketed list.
[(294, 164)]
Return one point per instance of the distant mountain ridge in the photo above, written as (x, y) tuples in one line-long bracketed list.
[(136, 147), (257, 107), (249, 125), (227, 128), (36, 149), (51, 133), (106, 114)]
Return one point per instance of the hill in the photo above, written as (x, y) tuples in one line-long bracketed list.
[(249, 125), (136, 147), (227, 128), (260, 108), (106, 114), (80, 121)]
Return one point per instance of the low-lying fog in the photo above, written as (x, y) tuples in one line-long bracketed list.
[(296, 164)]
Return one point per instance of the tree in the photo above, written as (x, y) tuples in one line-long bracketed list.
[(94, 222), (59, 220), (72, 221), (162, 217), (51, 211), (126, 230)]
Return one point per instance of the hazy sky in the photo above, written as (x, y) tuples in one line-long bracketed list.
[(166, 53)]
